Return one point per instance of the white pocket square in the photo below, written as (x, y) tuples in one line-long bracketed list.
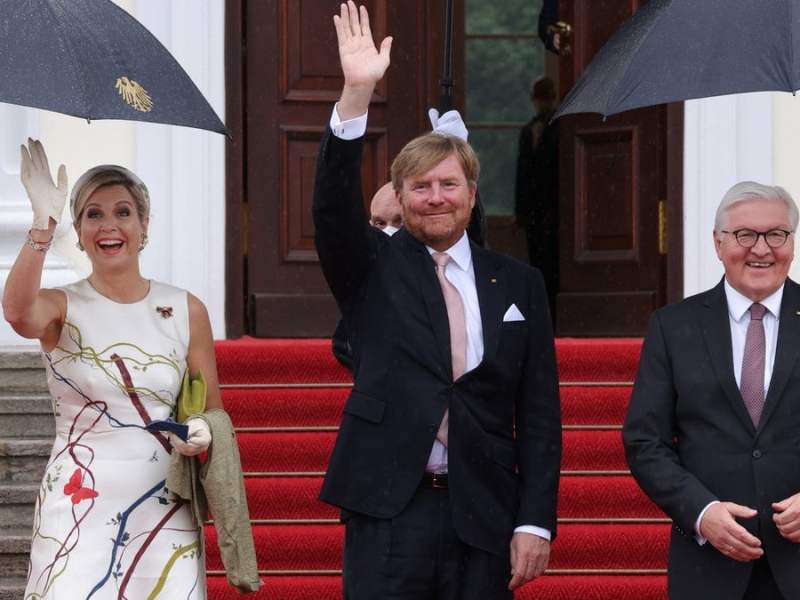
[(512, 314)]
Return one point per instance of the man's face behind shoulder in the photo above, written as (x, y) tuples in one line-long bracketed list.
[(759, 271), (437, 204)]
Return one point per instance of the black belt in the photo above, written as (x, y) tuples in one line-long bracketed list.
[(437, 481)]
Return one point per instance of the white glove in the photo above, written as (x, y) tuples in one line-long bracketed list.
[(199, 438), (450, 123), (46, 199)]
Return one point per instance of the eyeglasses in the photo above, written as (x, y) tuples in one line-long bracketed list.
[(747, 238)]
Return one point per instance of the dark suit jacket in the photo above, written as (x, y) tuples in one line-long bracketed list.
[(689, 440), (390, 299)]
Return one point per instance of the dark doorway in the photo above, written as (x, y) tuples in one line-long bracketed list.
[(283, 78)]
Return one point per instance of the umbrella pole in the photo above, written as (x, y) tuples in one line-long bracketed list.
[(446, 98)]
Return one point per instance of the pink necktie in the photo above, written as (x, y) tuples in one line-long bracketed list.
[(458, 329), (752, 383)]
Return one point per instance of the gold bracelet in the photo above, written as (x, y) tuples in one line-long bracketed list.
[(38, 246)]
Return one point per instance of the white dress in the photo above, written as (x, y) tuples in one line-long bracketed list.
[(105, 527)]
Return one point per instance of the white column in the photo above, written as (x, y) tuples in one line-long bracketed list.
[(185, 168), (787, 133), (726, 140)]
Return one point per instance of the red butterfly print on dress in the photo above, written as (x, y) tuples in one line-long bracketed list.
[(73, 488)]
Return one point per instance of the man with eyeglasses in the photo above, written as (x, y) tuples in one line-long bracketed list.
[(712, 433)]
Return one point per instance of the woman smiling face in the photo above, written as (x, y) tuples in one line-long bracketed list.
[(111, 228)]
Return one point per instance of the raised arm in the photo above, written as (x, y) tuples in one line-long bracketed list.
[(363, 65), (33, 312), (344, 239)]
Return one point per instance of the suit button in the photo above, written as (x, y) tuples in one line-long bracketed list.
[(756, 453)]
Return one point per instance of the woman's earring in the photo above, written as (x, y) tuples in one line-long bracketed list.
[(143, 243)]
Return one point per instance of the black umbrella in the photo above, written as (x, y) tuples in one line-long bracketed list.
[(91, 59), (672, 50)]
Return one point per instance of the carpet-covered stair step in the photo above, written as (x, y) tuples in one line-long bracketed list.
[(292, 361), (563, 587), (308, 452), (579, 547), (322, 407), (580, 497), (252, 361)]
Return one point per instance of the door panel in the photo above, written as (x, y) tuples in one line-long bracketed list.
[(613, 174)]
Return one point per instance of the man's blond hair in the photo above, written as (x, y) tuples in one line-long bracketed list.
[(423, 153)]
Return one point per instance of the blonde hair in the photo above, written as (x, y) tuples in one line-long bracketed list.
[(103, 176), (423, 153)]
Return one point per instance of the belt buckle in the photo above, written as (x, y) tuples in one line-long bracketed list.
[(439, 481)]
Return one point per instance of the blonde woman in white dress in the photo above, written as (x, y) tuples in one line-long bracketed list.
[(115, 348)]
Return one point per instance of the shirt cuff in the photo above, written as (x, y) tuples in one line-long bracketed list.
[(532, 529), (699, 538), (348, 130)]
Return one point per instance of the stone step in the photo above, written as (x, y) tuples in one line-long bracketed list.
[(17, 501), (14, 550), (12, 588), (26, 415), (23, 460), (21, 370)]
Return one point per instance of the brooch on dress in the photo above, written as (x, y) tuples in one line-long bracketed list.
[(164, 311)]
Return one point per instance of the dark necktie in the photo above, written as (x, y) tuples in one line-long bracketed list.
[(753, 361)]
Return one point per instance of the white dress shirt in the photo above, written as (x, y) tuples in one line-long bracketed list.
[(460, 273), (739, 320)]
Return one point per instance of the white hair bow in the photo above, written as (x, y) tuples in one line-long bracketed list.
[(450, 123)]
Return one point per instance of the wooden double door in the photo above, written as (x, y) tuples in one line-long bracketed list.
[(283, 77)]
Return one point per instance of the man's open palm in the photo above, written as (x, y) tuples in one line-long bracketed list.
[(362, 63)]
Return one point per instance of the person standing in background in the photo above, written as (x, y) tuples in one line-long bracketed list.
[(536, 191)]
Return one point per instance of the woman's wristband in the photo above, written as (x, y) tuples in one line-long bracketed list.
[(38, 246)]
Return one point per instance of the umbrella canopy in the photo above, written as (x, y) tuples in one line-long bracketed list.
[(91, 59), (672, 50)]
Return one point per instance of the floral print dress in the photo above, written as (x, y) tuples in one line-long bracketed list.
[(105, 526)]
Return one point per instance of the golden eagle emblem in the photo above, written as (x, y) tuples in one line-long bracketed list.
[(134, 94)]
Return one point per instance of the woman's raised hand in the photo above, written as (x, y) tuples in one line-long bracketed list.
[(47, 198)]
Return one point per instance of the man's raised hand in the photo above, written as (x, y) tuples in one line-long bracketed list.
[(363, 65)]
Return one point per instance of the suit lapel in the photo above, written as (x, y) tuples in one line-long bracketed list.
[(432, 294), (787, 349), (717, 334), (491, 298)]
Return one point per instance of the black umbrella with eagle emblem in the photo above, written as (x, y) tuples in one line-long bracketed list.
[(91, 59)]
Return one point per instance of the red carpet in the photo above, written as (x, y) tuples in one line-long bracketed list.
[(285, 398)]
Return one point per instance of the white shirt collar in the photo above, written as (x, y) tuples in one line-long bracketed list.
[(739, 304), (460, 252)]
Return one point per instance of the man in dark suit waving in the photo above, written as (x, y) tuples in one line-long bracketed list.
[(713, 429), (447, 460)]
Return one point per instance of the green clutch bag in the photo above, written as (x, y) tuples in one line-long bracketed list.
[(192, 399)]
